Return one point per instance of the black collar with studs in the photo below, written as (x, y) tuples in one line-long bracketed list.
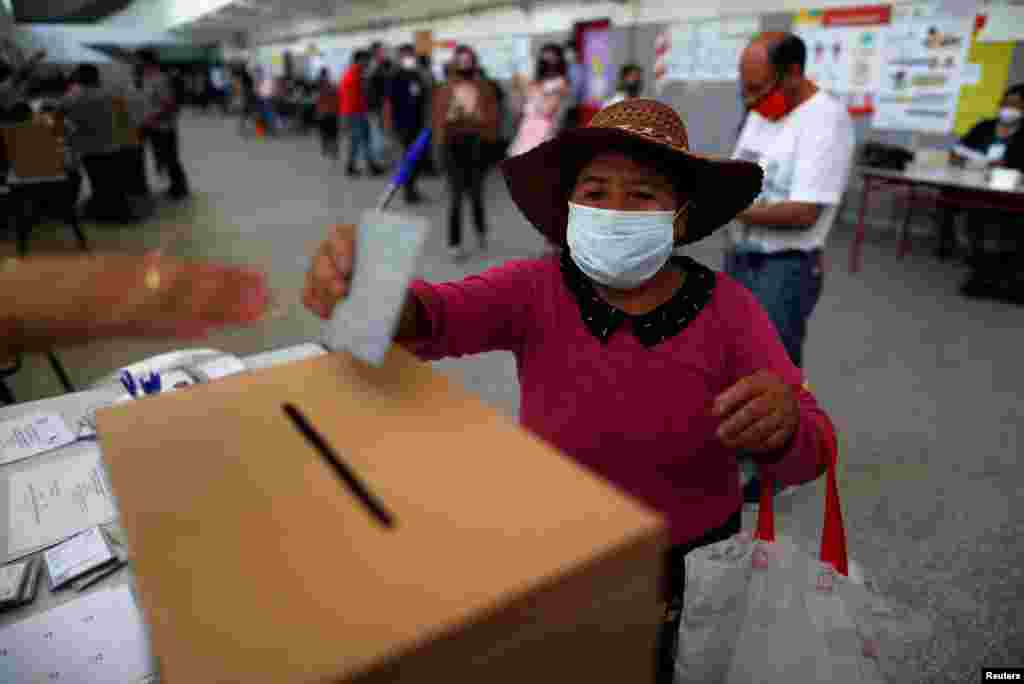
[(668, 320)]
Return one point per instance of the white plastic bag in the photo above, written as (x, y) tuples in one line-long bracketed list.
[(759, 609)]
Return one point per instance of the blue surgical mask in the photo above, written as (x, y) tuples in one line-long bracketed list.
[(620, 249)]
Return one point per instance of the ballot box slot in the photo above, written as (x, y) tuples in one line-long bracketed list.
[(344, 472)]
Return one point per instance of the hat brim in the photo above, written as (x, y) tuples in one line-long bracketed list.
[(541, 180)]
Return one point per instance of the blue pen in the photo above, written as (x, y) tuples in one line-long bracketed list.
[(129, 383), (152, 385), (405, 169)]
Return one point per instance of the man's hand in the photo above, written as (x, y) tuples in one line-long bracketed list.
[(760, 414), (112, 296), (798, 215)]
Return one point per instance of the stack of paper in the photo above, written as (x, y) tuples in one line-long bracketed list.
[(18, 583), (99, 638), (31, 435), (55, 500), (77, 556)]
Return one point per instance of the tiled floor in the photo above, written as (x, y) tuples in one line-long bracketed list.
[(926, 387)]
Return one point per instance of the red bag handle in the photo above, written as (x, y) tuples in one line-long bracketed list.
[(833, 533)]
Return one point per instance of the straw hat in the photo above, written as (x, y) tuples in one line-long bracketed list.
[(541, 180)]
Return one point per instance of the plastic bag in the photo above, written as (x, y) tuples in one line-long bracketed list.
[(759, 609)]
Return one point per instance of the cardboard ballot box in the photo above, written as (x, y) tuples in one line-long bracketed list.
[(257, 563)]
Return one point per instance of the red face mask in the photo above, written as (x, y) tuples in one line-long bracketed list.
[(773, 106)]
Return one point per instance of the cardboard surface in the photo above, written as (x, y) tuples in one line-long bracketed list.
[(256, 564)]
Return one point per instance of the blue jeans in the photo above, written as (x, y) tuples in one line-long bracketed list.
[(266, 108), (788, 285), (359, 133)]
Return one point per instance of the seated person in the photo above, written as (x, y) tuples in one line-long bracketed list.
[(996, 142)]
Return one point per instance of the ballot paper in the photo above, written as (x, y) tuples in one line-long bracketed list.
[(12, 578), (31, 435), (96, 639), (56, 500), (387, 249), (80, 554), (218, 367)]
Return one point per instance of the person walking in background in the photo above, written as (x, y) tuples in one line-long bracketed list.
[(577, 85), (426, 68), (378, 85), (405, 111), (327, 114), (353, 107), (545, 100), (247, 98), (803, 138), (631, 84), (495, 152), (465, 118), (265, 99), (160, 125)]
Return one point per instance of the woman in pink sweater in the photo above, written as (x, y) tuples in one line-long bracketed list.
[(649, 369)]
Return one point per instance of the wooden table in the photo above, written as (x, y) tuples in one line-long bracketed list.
[(959, 189)]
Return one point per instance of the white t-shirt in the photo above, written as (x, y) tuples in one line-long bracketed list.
[(806, 157)]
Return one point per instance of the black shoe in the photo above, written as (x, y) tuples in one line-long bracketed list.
[(413, 197), (377, 170), (178, 195), (353, 172)]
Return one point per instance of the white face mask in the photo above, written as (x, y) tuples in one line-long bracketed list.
[(409, 63), (620, 249), (1010, 115)]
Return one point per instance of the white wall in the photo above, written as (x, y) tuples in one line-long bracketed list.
[(557, 18)]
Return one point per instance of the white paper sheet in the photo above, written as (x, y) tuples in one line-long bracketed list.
[(31, 435), (97, 639), (387, 249), (78, 555), (57, 500)]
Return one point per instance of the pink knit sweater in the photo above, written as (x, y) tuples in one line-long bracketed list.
[(638, 416)]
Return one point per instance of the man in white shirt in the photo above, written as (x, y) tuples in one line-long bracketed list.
[(804, 140)]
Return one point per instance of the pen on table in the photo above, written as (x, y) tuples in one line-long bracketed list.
[(129, 383), (153, 384), (405, 169), (375, 507)]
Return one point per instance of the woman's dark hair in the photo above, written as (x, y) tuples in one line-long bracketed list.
[(787, 52), (466, 50), (148, 57), (87, 75), (544, 70), (1015, 91), (628, 69), (361, 57)]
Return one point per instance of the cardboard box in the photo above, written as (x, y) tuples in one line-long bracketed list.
[(255, 563)]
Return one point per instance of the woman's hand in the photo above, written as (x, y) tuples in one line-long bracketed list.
[(760, 414), (330, 275)]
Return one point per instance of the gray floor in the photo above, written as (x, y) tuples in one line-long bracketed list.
[(925, 386)]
